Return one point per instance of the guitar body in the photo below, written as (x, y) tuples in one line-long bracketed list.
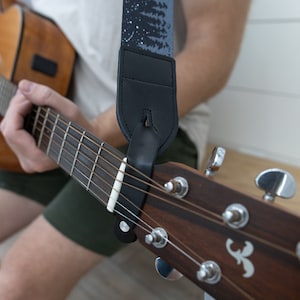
[(32, 47), (4, 4)]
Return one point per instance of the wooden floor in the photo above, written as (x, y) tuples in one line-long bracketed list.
[(130, 273)]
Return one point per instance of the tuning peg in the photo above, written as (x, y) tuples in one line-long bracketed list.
[(165, 270), (215, 161), (276, 182)]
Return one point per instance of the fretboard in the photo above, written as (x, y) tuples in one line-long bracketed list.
[(86, 158), (7, 91)]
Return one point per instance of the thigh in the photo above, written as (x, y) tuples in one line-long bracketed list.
[(43, 264), (16, 212), (23, 196), (39, 187), (82, 218)]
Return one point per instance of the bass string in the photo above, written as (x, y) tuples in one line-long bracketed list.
[(147, 180), (150, 228), (178, 248), (133, 204), (242, 232), (133, 187)]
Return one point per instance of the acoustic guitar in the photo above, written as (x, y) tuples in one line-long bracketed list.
[(231, 245), (4, 4), (32, 47)]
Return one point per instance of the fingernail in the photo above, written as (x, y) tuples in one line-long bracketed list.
[(26, 86)]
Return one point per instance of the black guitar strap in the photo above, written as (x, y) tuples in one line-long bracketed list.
[(146, 98)]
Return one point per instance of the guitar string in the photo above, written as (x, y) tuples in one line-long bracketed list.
[(191, 258), (182, 251), (7, 90), (154, 221), (212, 220), (224, 277), (154, 185), (83, 165)]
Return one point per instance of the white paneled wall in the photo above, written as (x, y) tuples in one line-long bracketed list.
[(259, 110)]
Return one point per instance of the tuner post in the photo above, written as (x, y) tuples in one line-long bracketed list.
[(177, 186), (236, 216)]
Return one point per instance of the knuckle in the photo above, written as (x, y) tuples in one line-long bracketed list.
[(45, 94)]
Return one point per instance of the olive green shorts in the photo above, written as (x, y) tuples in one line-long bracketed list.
[(75, 212)]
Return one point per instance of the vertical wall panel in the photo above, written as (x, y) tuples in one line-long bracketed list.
[(258, 110)]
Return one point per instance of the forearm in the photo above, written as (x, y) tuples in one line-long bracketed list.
[(214, 34), (107, 128)]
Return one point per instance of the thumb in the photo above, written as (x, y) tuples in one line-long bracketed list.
[(39, 94)]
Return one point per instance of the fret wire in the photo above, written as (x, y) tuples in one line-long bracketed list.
[(43, 127), (77, 130), (82, 178), (93, 143), (108, 162), (52, 133), (64, 162), (37, 115), (77, 151), (94, 165), (82, 162), (113, 152), (63, 142)]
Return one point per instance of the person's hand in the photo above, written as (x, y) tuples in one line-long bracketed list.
[(31, 158)]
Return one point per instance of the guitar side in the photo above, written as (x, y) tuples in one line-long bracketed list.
[(32, 47)]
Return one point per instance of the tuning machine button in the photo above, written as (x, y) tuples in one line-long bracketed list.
[(166, 271), (215, 161), (276, 182)]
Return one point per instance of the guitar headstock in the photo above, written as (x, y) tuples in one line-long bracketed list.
[(254, 258)]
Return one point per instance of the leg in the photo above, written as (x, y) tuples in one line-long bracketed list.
[(16, 212), (43, 264), (17, 209)]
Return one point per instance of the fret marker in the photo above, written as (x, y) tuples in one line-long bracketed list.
[(115, 192)]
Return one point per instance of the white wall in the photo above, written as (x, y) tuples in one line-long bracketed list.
[(259, 110)]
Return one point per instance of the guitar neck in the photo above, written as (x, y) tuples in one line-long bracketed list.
[(86, 158), (7, 91)]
